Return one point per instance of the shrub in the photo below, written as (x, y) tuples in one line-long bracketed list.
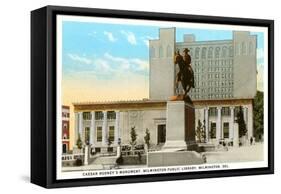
[(78, 162), (120, 160)]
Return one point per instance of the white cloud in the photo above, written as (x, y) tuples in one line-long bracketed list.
[(147, 38), (142, 65), (109, 66), (130, 37), (123, 63), (146, 42), (80, 59), (134, 64), (110, 36)]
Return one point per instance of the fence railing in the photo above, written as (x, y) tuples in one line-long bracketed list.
[(71, 157)]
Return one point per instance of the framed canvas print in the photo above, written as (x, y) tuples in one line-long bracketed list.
[(125, 96)]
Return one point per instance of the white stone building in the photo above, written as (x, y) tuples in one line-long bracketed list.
[(225, 78)]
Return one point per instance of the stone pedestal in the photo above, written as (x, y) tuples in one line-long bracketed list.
[(171, 158), (180, 135), (180, 127)]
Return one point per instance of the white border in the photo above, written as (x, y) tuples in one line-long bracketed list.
[(59, 100), (101, 173)]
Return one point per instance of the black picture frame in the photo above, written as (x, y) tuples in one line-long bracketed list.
[(43, 95)]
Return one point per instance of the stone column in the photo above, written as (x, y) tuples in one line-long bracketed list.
[(93, 128), (250, 121), (116, 128), (218, 131), (245, 110), (236, 135), (104, 128), (76, 126), (86, 155), (81, 126), (206, 110), (231, 123)]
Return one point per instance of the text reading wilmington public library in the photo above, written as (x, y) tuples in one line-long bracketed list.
[(225, 80)]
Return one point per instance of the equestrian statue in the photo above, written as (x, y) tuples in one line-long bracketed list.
[(185, 74)]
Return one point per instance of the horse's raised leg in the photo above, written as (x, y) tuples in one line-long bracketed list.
[(189, 87), (177, 85), (177, 88)]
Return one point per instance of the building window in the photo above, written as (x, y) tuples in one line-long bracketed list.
[(213, 130), (197, 50), (203, 53), (210, 52), (217, 52), (213, 111), (169, 51), (250, 48), (161, 134), (99, 134), (225, 111), (236, 110), (64, 148), (160, 52), (65, 130), (111, 115), (87, 135), (226, 130), (111, 133), (65, 126), (87, 116), (152, 52), (237, 49), (99, 115), (231, 51), (243, 48), (224, 50)]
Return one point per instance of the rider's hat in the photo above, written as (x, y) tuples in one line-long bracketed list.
[(186, 50)]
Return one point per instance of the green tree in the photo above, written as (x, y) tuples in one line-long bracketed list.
[(147, 138), (258, 115), (79, 142), (241, 122), (133, 136), (200, 132)]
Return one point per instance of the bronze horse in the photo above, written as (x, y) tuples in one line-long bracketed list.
[(185, 74)]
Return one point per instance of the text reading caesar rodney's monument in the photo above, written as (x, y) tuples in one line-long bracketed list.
[(180, 134)]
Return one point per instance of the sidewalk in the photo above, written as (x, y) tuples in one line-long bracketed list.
[(239, 154)]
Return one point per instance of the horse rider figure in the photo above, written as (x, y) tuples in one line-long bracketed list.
[(185, 74), (187, 60)]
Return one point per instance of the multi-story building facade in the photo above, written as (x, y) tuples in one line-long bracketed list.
[(65, 128), (225, 79)]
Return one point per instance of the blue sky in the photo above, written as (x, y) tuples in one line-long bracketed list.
[(93, 40), (95, 52)]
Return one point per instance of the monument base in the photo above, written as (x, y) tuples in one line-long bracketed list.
[(180, 125), (180, 136), (173, 158), (175, 145), (206, 147)]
